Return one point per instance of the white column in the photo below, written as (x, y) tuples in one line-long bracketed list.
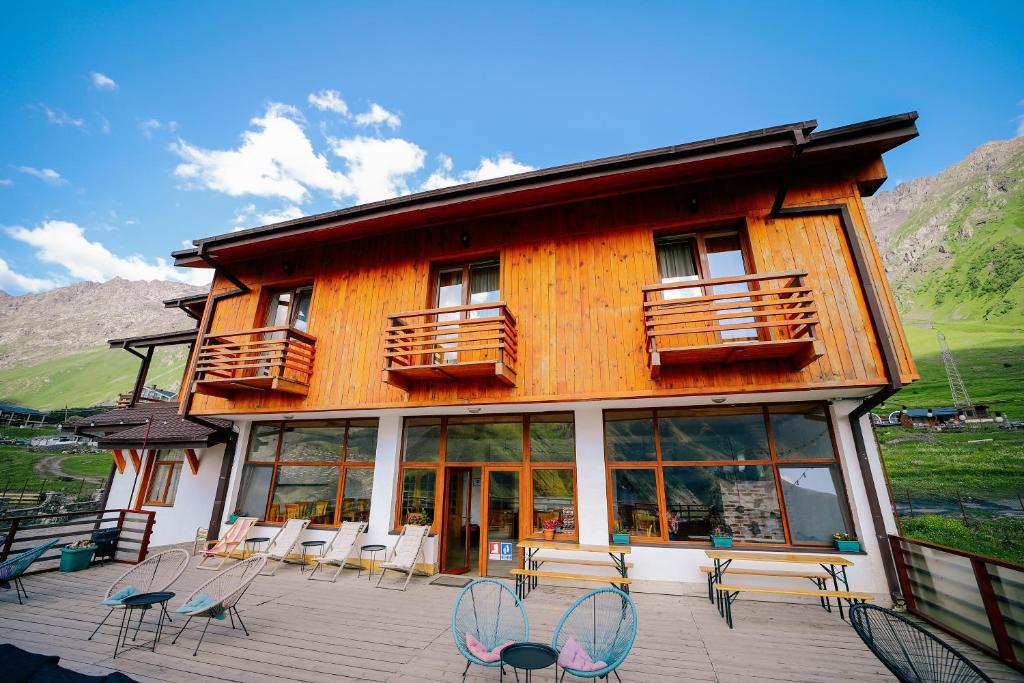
[(231, 497), (385, 478), (592, 487)]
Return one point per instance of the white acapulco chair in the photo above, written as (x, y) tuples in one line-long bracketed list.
[(220, 595), (154, 574), (337, 551), (283, 544), (407, 552)]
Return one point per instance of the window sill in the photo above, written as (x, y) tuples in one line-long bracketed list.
[(157, 505)]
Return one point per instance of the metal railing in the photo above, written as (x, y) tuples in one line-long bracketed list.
[(977, 599), (20, 533)]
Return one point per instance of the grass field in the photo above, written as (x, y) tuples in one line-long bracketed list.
[(18, 466), (1002, 537)]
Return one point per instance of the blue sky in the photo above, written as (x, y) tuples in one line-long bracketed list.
[(128, 129)]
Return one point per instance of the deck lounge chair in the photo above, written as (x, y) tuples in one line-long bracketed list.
[(220, 595), (595, 634), (12, 568), (406, 553), (337, 551), (488, 615), (282, 545), (227, 544), (154, 574)]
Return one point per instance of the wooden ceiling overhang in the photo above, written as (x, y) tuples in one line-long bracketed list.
[(768, 150)]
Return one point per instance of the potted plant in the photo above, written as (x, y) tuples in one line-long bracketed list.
[(549, 526), (620, 536), (417, 519), (844, 543), (721, 537), (76, 556)]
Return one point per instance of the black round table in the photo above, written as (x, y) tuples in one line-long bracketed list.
[(529, 657), (373, 549), (251, 543), (141, 603), (311, 544)]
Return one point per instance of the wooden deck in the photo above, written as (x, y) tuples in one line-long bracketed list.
[(348, 631)]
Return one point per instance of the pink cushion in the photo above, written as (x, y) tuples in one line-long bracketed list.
[(480, 651), (573, 656)]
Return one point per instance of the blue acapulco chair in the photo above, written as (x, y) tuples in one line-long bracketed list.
[(604, 623), (13, 567), (491, 612)]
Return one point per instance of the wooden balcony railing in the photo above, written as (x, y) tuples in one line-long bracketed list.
[(264, 359), (767, 316), (472, 341)]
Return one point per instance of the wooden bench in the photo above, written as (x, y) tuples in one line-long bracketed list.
[(730, 592), (521, 575), (818, 577)]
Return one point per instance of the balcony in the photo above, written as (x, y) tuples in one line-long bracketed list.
[(762, 317), (278, 359), (461, 342)]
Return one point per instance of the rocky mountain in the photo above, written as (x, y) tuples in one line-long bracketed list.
[(84, 316), (954, 243)]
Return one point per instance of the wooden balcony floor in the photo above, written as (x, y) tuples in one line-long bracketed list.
[(350, 631)]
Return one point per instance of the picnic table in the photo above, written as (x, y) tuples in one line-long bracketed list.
[(527, 578)]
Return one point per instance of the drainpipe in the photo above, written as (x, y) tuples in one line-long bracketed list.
[(220, 497), (882, 338)]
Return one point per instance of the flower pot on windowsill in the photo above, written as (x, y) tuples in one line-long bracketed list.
[(620, 538), (721, 541), (847, 546), (549, 534)]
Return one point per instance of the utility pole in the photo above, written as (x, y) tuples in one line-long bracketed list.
[(957, 389)]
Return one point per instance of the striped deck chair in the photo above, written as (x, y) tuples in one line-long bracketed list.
[(407, 552), (227, 544), (337, 551), (283, 544), (13, 567)]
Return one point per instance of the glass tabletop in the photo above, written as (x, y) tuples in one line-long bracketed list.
[(373, 547), (147, 599), (529, 655)]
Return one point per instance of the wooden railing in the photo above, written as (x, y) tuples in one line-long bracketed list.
[(22, 533), (976, 598), (263, 359), (478, 340), (723, 320)]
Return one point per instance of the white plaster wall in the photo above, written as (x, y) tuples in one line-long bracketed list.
[(591, 484)]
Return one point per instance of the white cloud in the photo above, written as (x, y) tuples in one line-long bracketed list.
[(61, 118), (248, 216), (274, 160), (102, 81), (17, 283), (104, 125), (378, 168), (328, 100), (64, 243), (148, 126), (47, 175), (1020, 124), (499, 167), (377, 116), (6, 181)]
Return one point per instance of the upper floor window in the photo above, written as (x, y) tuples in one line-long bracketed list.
[(289, 307), (470, 283)]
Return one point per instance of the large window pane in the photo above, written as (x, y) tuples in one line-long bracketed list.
[(253, 491), (813, 504), (801, 432), (418, 494), (726, 434), (312, 442), (740, 499), (635, 502), (503, 518), (355, 504), (553, 498), (552, 438), (485, 439), (422, 439), (305, 492), (362, 441), (629, 435), (263, 442)]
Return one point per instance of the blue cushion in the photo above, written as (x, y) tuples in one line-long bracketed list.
[(197, 603), (118, 597)]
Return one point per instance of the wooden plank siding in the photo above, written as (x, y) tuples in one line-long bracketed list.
[(572, 276)]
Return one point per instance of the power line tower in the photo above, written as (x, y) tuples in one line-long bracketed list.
[(961, 400)]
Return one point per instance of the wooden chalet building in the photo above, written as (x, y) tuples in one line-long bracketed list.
[(664, 343)]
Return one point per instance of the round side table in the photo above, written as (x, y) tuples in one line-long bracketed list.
[(529, 657), (311, 544), (251, 543), (372, 549), (141, 603)]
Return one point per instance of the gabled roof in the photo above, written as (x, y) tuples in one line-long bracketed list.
[(151, 424), (767, 149)]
